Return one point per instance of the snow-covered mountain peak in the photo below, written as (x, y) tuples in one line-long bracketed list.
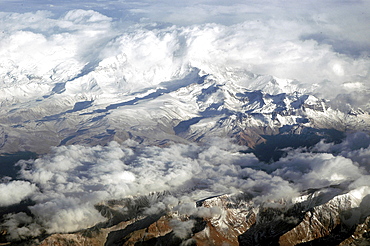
[(189, 105)]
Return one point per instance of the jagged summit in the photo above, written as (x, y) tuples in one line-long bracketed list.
[(193, 107)]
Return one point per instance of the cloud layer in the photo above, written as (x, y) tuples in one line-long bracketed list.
[(94, 53), (72, 179), (15, 191)]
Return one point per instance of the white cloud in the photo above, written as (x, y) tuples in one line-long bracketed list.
[(38, 50), (15, 191), (66, 213), (143, 58), (44, 48), (356, 147), (310, 170)]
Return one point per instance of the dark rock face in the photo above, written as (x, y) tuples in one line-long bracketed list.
[(271, 224)]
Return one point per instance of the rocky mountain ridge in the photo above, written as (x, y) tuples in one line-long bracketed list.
[(196, 108), (319, 218), (188, 109)]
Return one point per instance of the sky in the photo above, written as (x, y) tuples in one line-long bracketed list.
[(325, 45), (347, 19)]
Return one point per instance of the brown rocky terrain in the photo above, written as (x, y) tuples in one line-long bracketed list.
[(340, 220)]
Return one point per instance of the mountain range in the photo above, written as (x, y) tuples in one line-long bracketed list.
[(191, 135)]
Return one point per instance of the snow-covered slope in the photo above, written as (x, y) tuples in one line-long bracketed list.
[(82, 78), (193, 107)]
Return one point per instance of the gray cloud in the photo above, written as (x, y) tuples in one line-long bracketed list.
[(317, 170), (182, 229), (355, 147), (21, 226)]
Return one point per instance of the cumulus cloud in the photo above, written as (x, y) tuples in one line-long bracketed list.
[(15, 191), (41, 48), (144, 58), (72, 179), (355, 147), (310, 170), (21, 226)]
